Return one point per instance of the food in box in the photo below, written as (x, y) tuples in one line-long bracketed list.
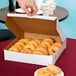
[(37, 28), (46, 46)]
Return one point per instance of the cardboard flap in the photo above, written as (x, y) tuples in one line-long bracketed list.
[(21, 24)]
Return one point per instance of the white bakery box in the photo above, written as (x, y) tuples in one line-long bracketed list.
[(36, 27)]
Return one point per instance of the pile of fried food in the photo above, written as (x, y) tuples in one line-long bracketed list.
[(46, 46), (50, 70)]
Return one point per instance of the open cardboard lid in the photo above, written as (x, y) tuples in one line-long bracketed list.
[(21, 23)]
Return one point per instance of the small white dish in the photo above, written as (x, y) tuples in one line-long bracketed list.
[(19, 10), (35, 73)]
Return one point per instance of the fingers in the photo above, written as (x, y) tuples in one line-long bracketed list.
[(27, 11), (34, 10), (25, 8), (25, 4)]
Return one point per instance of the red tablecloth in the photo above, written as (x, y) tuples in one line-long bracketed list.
[(67, 62)]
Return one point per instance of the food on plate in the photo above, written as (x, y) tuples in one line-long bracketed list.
[(44, 72), (54, 69), (50, 70)]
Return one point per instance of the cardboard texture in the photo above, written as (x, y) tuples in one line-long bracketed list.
[(37, 27)]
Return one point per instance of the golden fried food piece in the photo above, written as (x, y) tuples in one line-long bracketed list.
[(52, 52), (19, 44), (47, 43), (59, 44), (33, 42), (53, 49), (44, 72), (37, 52), (27, 51), (14, 49), (49, 40), (18, 47), (54, 69), (30, 46), (43, 49), (25, 41), (42, 45), (38, 41)]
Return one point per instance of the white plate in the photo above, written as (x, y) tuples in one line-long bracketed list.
[(35, 73), (19, 10)]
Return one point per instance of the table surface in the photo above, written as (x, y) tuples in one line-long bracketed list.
[(60, 12), (66, 61)]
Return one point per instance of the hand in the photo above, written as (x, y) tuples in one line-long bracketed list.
[(25, 4)]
